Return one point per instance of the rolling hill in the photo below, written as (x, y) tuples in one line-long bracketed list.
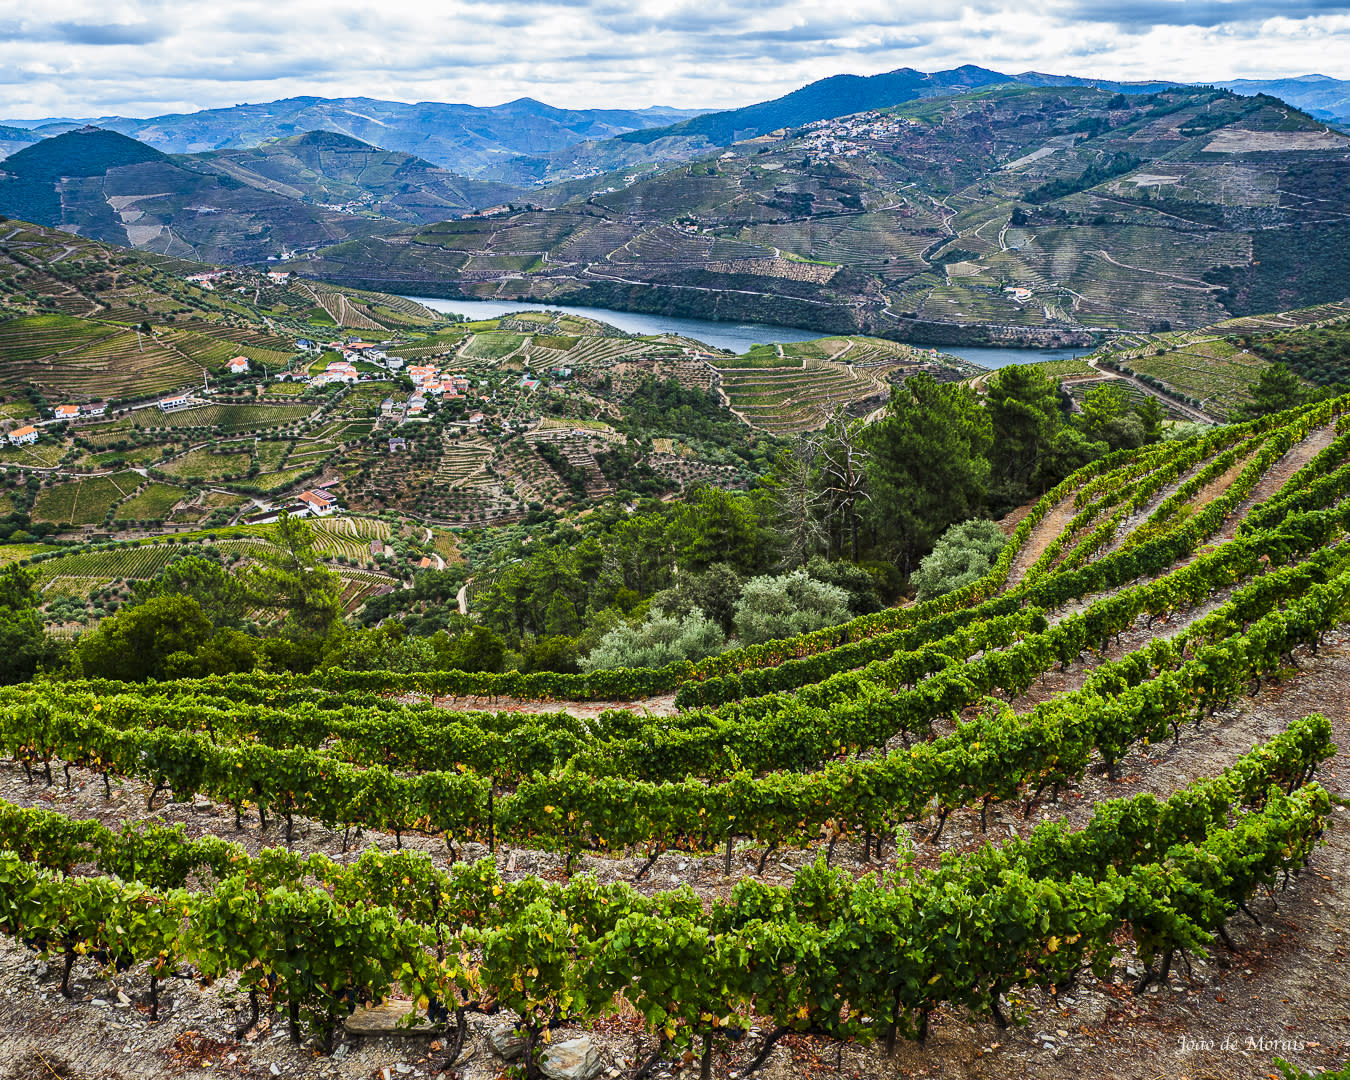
[(339, 171), (15, 138), (109, 187), (1318, 95)]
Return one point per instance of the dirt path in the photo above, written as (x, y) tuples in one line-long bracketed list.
[(1146, 511), (1188, 411), (1043, 534), (1278, 475), (660, 705)]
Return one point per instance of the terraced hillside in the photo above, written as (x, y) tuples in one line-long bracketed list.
[(1041, 214), (80, 320), (800, 387), (1214, 368), (112, 188), (1090, 791), (336, 170)]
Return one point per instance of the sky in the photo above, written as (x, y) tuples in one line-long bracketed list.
[(86, 58)]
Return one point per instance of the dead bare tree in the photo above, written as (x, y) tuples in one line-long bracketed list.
[(843, 460)]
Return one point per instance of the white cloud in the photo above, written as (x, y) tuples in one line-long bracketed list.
[(142, 57)]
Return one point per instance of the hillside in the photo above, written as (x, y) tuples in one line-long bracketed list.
[(341, 172), (109, 187), (1319, 95), (826, 99), (81, 322), (87, 321), (1009, 213), (839, 95), (1091, 791), (15, 138), (463, 138)]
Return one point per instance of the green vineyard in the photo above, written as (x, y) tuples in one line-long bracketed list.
[(967, 794)]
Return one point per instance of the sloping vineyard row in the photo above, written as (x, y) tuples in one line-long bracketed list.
[(886, 953)]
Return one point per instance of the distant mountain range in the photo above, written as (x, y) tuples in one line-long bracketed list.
[(262, 192), (839, 95), (463, 138), (528, 142), (339, 171), (109, 187), (843, 95)]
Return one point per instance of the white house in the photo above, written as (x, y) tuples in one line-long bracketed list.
[(67, 412), (237, 366), (26, 434), (175, 401), (319, 503), (96, 408)]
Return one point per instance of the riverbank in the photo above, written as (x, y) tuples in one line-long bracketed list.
[(734, 337)]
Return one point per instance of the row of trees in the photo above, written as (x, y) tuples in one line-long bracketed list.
[(282, 611)]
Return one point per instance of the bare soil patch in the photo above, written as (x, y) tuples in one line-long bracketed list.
[(1043, 534)]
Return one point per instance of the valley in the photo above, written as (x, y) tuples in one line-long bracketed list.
[(854, 585)]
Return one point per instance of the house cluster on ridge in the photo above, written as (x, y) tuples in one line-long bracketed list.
[(430, 380)]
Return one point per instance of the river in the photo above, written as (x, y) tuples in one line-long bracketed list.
[(738, 337)]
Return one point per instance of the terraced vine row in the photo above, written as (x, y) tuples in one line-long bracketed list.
[(1029, 914), (856, 732)]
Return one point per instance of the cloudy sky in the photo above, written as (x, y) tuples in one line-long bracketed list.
[(146, 57)]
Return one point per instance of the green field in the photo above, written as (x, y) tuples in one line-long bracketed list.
[(226, 417), (152, 502), (132, 561), (83, 502), (493, 346), (202, 464)]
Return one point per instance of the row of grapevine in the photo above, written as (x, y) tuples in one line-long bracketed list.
[(1145, 696), (832, 955), (846, 713)]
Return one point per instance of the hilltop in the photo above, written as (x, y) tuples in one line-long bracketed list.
[(1319, 95)]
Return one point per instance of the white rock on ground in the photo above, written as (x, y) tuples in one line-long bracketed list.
[(575, 1059)]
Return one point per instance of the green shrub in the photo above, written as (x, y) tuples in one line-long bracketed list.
[(963, 555), (772, 608), (662, 639)]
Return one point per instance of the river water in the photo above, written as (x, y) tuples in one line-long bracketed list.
[(738, 337)]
